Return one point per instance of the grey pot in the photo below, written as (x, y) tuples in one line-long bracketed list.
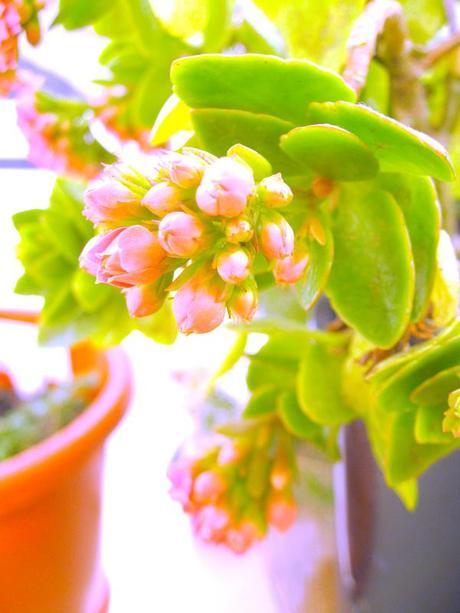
[(391, 560)]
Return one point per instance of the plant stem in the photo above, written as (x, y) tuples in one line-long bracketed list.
[(362, 42)]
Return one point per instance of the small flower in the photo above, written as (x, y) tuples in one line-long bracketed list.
[(109, 202), (199, 306), (233, 265), (144, 300), (276, 237), (290, 269), (124, 257), (274, 192), (243, 302), (239, 539), (208, 487), (181, 234), (238, 230), (225, 188), (281, 511), (162, 198), (181, 477), (185, 170), (209, 523)]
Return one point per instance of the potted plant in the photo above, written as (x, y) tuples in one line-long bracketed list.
[(52, 449), (294, 170)]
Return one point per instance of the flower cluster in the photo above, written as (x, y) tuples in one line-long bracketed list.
[(112, 109), (59, 136), (15, 16), (451, 422), (236, 488), (192, 224)]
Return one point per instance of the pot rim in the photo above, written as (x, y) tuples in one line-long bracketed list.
[(25, 474)]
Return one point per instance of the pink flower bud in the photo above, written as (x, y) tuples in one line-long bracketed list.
[(209, 523), (144, 300), (239, 539), (276, 237), (108, 202), (185, 171), (208, 487), (238, 230), (281, 511), (225, 188), (233, 265), (274, 191), (124, 257), (243, 303), (199, 306), (181, 234), (290, 269), (280, 474), (231, 452), (180, 475), (162, 199)]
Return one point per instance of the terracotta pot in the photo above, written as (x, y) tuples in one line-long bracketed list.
[(50, 501), (392, 560)]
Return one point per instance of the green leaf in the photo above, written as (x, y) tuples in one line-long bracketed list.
[(320, 258), (446, 290), (428, 426), (90, 295), (220, 129), (217, 29), (262, 402), (394, 394), (319, 383), (418, 201), (436, 389), (408, 493), (161, 326), (277, 361), (406, 459), (424, 18), (256, 83), (331, 152), (295, 421), (75, 14), (259, 165), (397, 147), (371, 285), (315, 30), (174, 117), (389, 367)]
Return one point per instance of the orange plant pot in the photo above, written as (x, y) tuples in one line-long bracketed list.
[(50, 501)]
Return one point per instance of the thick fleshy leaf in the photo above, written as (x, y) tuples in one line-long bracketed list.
[(371, 285), (446, 290), (397, 147), (320, 257), (389, 367), (262, 402), (331, 152), (259, 165), (395, 393), (276, 363), (315, 30), (220, 129), (435, 390), (256, 83), (405, 458), (296, 421), (428, 426), (174, 117), (418, 201), (319, 383)]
